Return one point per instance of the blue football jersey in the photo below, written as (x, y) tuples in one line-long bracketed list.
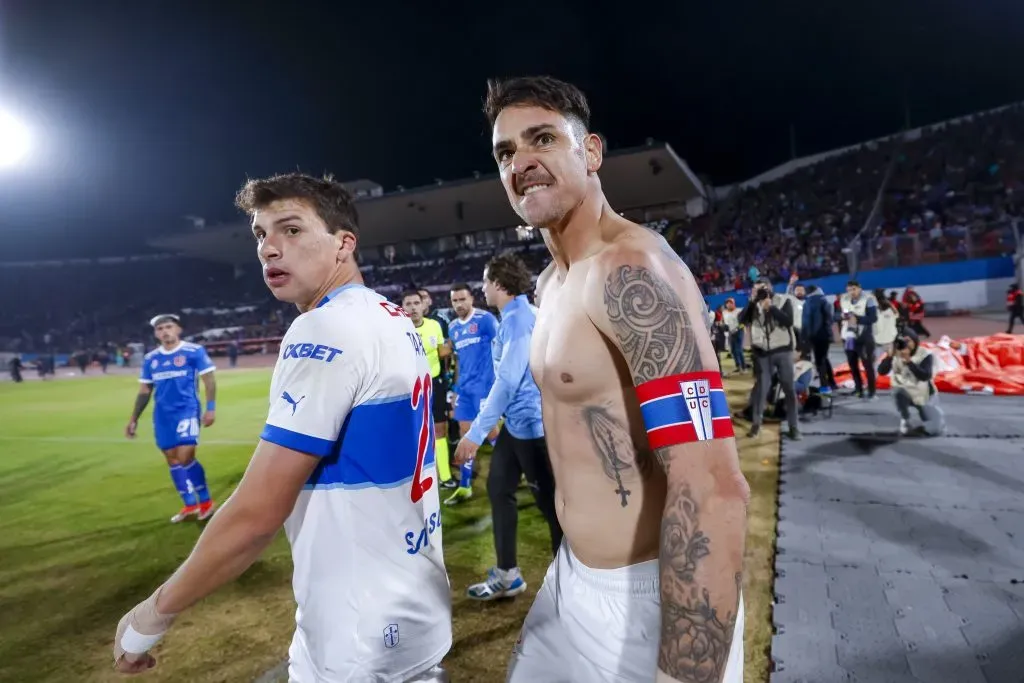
[(174, 375), (472, 341)]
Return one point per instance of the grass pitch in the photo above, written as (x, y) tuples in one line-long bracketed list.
[(84, 536)]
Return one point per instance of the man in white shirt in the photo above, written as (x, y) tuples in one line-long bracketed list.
[(345, 463)]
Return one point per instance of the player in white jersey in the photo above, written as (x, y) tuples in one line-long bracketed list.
[(345, 463)]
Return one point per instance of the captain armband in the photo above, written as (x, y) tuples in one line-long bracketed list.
[(684, 408)]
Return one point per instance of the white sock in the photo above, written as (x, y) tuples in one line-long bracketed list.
[(508, 576)]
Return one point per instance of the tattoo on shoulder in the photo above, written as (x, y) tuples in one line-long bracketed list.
[(695, 640), (615, 448), (651, 324)]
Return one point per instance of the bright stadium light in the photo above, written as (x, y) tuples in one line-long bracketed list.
[(15, 140)]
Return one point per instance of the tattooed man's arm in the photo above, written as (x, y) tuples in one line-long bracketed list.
[(649, 307)]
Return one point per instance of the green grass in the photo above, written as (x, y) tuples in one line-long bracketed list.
[(84, 536)]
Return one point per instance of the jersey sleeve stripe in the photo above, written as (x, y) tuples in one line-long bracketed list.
[(303, 443), (367, 456), (209, 369), (145, 381)]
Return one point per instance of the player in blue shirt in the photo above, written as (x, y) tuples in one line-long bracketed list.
[(171, 371), (520, 450), (472, 333)]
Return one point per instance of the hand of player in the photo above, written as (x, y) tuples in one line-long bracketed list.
[(137, 633), (129, 431), (465, 450), (905, 353), (766, 304), (208, 418)]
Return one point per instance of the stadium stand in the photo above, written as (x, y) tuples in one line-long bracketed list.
[(946, 192)]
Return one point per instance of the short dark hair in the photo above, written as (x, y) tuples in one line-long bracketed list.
[(537, 91), (331, 200), (410, 292), (459, 286), (510, 273), (853, 283)]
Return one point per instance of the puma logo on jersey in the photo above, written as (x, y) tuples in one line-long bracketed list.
[(294, 403)]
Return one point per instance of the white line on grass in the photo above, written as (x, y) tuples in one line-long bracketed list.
[(110, 439)]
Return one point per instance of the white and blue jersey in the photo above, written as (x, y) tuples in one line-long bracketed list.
[(472, 339), (352, 387), (514, 394), (174, 376)]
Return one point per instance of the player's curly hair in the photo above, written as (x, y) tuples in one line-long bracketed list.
[(331, 200), (509, 272), (537, 91)]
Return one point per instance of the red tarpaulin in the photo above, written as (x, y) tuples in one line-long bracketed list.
[(989, 365)]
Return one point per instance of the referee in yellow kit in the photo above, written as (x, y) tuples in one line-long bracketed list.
[(436, 348)]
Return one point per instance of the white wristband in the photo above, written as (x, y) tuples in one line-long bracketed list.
[(136, 643)]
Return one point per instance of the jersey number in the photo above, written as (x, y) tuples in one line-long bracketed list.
[(422, 393), (188, 427), (393, 310)]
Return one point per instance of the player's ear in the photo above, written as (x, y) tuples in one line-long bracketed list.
[(593, 149), (346, 242)]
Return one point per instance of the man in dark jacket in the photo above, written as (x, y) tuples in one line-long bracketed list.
[(817, 331)]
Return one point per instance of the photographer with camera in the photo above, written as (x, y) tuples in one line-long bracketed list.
[(858, 313), (769, 317), (912, 368)]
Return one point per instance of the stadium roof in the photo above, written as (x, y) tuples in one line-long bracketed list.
[(634, 178)]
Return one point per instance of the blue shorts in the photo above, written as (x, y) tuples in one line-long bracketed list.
[(467, 405), (176, 429)]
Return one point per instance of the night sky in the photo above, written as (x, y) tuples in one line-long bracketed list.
[(145, 111)]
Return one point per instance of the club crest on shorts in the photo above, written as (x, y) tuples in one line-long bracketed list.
[(697, 398), (391, 636)]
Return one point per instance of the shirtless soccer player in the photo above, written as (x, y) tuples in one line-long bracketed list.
[(649, 491), (345, 462)]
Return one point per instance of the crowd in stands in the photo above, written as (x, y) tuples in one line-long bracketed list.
[(952, 191), (75, 306)]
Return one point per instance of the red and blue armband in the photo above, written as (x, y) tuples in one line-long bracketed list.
[(684, 408)]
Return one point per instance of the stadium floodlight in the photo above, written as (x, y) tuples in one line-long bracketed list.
[(15, 140)]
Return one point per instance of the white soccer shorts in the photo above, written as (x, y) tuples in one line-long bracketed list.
[(598, 626), (433, 674)]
